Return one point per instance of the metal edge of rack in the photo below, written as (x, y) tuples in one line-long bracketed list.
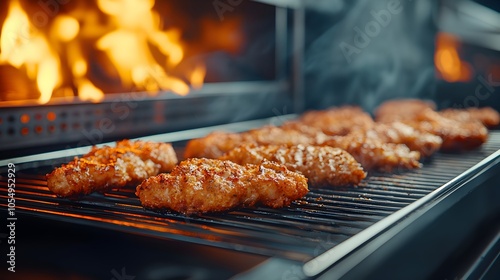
[(380, 233), (334, 261)]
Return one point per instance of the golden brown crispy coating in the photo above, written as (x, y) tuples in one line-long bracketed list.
[(338, 121), (160, 153), (456, 135), (399, 133), (372, 153), (401, 109), (486, 115), (107, 167), (315, 134), (272, 135), (458, 130), (373, 148), (321, 165), (396, 132), (211, 185), (215, 144)]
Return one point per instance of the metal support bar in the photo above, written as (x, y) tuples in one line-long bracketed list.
[(298, 59), (281, 38)]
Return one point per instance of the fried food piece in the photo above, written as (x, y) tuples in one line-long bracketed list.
[(396, 132), (486, 115), (402, 109), (315, 134), (399, 133), (107, 167), (456, 135), (273, 135), (375, 148), (373, 154), (321, 165), (216, 144), (338, 121), (211, 185)]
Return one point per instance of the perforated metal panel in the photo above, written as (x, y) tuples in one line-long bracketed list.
[(133, 115)]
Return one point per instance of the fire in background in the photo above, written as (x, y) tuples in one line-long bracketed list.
[(449, 65), (89, 48)]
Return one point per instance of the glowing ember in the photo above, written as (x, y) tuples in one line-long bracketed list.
[(447, 59)]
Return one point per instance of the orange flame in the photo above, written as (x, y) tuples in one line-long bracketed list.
[(142, 55), (127, 46), (23, 46), (448, 62), (197, 76)]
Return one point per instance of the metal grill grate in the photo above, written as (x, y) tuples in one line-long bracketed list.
[(321, 220)]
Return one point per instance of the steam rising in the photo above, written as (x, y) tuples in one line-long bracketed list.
[(395, 59)]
